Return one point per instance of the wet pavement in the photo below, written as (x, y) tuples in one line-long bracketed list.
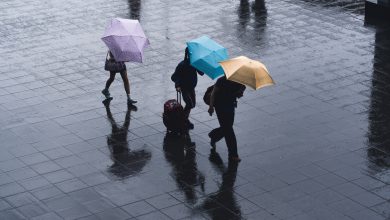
[(314, 146)]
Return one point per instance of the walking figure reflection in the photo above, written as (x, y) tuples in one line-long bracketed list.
[(378, 151), (259, 9), (223, 204), (135, 9), (126, 162), (180, 152), (244, 15)]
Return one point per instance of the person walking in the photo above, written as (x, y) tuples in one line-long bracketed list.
[(186, 79), (122, 70), (224, 100)]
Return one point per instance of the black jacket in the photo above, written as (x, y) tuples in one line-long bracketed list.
[(185, 76)]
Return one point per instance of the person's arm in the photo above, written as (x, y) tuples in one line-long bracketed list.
[(176, 78), (212, 100)]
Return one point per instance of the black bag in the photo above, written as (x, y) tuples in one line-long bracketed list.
[(207, 95), (173, 116), (113, 66)]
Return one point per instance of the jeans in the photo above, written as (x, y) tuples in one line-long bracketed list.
[(225, 117)]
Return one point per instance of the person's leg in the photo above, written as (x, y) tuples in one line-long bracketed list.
[(217, 134), (227, 120), (111, 79), (189, 99), (127, 86), (125, 82)]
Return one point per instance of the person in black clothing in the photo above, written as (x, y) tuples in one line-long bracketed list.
[(224, 99), (186, 78)]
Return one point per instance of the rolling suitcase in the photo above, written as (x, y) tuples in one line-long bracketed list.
[(173, 116)]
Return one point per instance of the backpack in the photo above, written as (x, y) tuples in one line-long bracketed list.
[(207, 95)]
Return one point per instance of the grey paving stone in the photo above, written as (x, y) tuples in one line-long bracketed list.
[(10, 189), (21, 199), (34, 183), (4, 205), (162, 201), (32, 210), (71, 185), (367, 199), (75, 212), (115, 213), (383, 192), (45, 167), (47, 216), (58, 176), (34, 158), (99, 205), (46, 192), (153, 215), (348, 189), (22, 173), (382, 209), (11, 214), (138, 208), (178, 211)]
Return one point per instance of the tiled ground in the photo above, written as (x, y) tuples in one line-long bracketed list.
[(314, 146)]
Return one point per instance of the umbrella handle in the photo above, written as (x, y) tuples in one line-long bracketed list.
[(178, 97)]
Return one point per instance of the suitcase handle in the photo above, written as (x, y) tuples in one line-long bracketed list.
[(178, 97)]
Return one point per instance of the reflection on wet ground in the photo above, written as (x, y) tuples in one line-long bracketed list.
[(180, 152), (135, 9), (314, 146), (223, 203), (379, 117), (126, 162)]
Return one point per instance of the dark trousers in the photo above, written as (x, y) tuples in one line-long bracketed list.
[(190, 99), (225, 117)]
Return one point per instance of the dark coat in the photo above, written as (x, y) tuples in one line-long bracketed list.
[(185, 76)]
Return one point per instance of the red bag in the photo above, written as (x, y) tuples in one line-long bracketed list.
[(173, 116)]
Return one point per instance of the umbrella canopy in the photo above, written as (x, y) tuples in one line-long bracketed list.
[(205, 55), (125, 39), (248, 72)]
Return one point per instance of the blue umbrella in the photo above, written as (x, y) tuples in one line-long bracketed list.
[(205, 55)]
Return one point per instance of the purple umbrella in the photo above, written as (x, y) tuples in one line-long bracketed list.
[(125, 39)]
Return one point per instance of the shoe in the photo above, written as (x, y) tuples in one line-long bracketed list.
[(106, 93), (190, 125), (131, 101), (132, 107), (213, 144), (106, 102), (234, 159)]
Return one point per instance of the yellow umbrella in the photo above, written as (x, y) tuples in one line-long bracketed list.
[(247, 72)]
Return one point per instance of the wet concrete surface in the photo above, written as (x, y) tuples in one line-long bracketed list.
[(314, 146)]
